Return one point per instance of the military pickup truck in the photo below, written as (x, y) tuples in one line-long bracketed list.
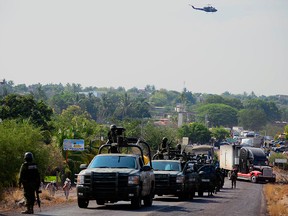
[(172, 178), (117, 176)]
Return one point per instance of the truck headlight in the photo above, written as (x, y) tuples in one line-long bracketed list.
[(180, 179), (80, 179), (133, 180)]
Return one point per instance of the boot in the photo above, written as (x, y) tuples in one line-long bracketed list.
[(28, 211)]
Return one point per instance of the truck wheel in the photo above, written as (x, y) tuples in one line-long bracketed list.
[(190, 195), (273, 180), (200, 193), (193, 194), (82, 203), (100, 202), (182, 196), (253, 179), (136, 202)]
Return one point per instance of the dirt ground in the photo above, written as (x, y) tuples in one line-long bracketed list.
[(277, 194), (14, 200)]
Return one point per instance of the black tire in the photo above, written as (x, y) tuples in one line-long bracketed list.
[(190, 195), (200, 193), (183, 196), (82, 203), (193, 194), (100, 202), (136, 202), (273, 181), (253, 179)]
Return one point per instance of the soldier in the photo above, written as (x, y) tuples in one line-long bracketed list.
[(164, 146), (218, 179), (233, 178), (30, 179)]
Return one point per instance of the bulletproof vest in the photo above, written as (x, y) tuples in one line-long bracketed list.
[(30, 173)]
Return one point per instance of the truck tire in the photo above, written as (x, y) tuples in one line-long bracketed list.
[(253, 179), (193, 194), (182, 196), (82, 203), (100, 202), (136, 202), (273, 180), (200, 193)]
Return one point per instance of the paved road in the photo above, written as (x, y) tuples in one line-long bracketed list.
[(246, 200)]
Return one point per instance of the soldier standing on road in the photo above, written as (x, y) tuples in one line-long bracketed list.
[(30, 179), (233, 178)]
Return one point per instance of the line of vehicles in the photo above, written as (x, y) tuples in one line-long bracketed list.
[(125, 170)]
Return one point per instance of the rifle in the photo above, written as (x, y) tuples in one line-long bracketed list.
[(38, 198)]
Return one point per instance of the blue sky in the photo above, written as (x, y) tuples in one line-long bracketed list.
[(243, 47)]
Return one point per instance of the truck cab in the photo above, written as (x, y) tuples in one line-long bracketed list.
[(253, 165)]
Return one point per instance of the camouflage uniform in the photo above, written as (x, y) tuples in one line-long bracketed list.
[(30, 179), (233, 178)]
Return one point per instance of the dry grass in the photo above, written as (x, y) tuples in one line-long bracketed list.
[(277, 195), (13, 199)]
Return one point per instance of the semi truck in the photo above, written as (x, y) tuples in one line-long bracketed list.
[(251, 163)]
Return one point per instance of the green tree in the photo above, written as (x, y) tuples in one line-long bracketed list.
[(196, 132), (252, 119), (25, 107), (154, 135), (62, 100), (286, 132), (16, 138), (217, 115), (220, 133), (159, 98), (217, 99), (269, 108), (74, 123)]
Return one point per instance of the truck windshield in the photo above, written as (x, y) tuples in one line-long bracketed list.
[(113, 161), (166, 165), (260, 162)]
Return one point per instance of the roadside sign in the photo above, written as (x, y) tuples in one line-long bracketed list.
[(280, 160), (73, 145), (185, 140)]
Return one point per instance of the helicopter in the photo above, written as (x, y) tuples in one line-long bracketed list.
[(206, 9)]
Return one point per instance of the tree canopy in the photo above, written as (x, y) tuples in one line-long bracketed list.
[(216, 115)]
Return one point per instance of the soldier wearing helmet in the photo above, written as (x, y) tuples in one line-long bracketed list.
[(29, 177)]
